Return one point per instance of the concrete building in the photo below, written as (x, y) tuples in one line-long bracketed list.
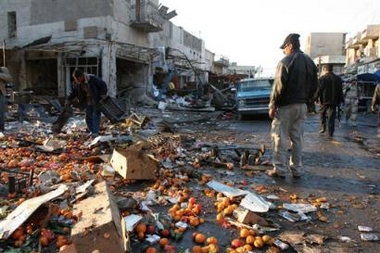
[(245, 70), (363, 51), (327, 48), (131, 44)]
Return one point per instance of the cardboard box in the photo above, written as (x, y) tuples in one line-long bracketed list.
[(99, 228), (248, 217), (134, 164)]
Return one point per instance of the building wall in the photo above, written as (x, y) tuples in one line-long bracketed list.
[(363, 51), (48, 11), (94, 28), (325, 44)]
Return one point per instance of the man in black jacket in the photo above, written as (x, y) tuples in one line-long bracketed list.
[(294, 86), (330, 96)]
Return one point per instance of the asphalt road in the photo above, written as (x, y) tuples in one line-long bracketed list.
[(343, 169)]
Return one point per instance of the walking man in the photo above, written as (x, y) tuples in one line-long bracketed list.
[(294, 86), (330, 96)]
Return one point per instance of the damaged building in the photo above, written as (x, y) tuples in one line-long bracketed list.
[(131, 44)]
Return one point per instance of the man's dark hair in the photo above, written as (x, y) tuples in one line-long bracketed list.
[(78, 73), (329, 67)]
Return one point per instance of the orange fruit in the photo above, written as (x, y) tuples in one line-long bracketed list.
[(248, 247), (212, 240), (141, 235), (268, 240), (44, 241), (199, 238), (18, 243), (258, 243), (164, 241), (213, 247), (244, 232), (219, 217), (250, 239), (141, 227), (197, 249), (17, 234), (206, 249), (194, 221), (68, 215), (150, 250), (60, 242)]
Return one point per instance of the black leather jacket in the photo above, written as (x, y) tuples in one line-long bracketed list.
[(296, 80), (97, 88), (330, 89)]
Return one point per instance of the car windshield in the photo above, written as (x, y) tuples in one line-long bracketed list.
[(254, 84)]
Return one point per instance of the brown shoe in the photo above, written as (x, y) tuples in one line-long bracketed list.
[(274, 173)]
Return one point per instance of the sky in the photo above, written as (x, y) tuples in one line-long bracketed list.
[(250, 32)]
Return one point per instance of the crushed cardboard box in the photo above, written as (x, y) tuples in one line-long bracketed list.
[(248, 217), (134, 164), (99, 227)]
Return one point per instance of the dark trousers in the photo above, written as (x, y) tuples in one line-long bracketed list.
[(327, 115), (93, 116), (378, 121), (3, 109)]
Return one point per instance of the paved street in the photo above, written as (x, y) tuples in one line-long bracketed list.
[(343, 169)]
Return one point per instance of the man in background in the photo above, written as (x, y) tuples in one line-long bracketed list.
[(375, 106), (87, 91), (330, 96), (5, 78), (294, 86)]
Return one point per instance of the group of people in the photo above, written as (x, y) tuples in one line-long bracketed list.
[(297, 86)]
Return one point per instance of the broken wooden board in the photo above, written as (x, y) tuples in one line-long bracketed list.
[(256, 167)]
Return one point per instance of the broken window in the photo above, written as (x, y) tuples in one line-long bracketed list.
[(12, 25), (89, 65)]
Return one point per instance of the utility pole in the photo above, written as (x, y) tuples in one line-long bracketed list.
[(4, 53)]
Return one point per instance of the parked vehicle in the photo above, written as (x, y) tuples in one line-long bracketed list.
[(252, 96)]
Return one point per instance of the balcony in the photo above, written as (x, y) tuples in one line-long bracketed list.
[(357, 40), (371, 52), (151, 23), (148, 17), (372, 32), (351, 45)]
